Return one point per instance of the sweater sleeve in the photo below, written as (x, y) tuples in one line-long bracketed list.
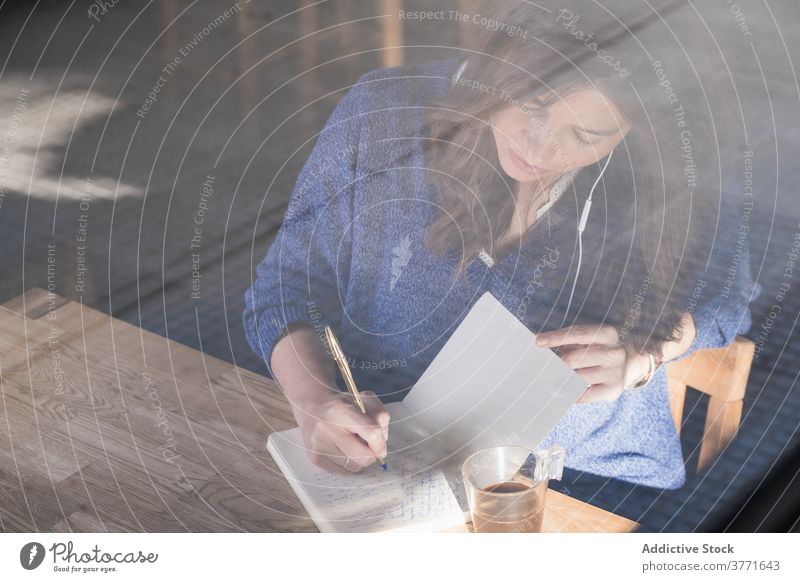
[(308, 262), (725, 291)]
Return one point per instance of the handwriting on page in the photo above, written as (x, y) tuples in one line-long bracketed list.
[(376, 500)]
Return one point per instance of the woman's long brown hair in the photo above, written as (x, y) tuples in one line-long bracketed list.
[(663, 182)]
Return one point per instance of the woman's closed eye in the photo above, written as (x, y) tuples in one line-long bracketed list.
[(582, 141), (535, 108)]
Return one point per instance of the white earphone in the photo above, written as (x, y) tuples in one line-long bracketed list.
[(581, 227)]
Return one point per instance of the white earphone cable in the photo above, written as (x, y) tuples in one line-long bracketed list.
[(581, 227)]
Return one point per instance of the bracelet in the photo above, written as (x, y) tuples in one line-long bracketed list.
[(642, 382)]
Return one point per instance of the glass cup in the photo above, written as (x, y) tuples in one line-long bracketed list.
[(506, 487)]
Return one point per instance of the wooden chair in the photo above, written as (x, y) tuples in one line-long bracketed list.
[(722, 374)]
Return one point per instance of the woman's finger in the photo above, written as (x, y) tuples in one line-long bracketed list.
[(367, 428), (338, 465), (353, 448), (594, 355), (597, 375), (581, 334), (346, 463), (377, 411), (330, 459), (341, 463)]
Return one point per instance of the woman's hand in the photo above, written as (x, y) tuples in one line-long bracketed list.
[(594, 352), (338, 436)]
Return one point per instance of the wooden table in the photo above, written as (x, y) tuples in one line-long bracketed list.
[(106, 427)]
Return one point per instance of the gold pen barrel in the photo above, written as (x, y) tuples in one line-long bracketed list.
[(344, 368)]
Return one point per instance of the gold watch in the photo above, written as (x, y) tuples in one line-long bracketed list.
[(642, 382)]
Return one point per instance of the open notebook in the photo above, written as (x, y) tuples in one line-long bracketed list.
[(489, 385)]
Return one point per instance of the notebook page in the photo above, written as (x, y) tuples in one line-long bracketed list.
[(491, 384), (412, 494)]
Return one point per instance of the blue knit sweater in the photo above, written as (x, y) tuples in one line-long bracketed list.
[(350, 253)]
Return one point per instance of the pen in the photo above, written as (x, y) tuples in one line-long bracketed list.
[(341, 361)]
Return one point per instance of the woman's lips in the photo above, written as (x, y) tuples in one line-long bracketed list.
[(522, 165)]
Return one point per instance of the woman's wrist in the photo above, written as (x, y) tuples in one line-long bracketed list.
[(647, 363), (673, 350), (303, 370), (306, 392)]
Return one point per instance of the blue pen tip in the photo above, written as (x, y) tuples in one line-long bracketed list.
[(385, 468)]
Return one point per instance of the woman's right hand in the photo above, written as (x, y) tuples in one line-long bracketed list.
[(333, 429)]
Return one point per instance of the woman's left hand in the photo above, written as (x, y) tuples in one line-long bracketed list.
[(594, 352)]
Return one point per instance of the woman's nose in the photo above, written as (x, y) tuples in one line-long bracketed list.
[(537, 127), (538, 143)]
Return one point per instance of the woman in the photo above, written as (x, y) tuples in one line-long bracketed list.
[(434, 183)]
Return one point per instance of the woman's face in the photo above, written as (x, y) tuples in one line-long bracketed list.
[(534, 143)]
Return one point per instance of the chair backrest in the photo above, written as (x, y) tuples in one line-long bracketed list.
[(722, 374)]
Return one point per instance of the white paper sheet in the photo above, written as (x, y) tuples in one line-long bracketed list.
[(491, 384)]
